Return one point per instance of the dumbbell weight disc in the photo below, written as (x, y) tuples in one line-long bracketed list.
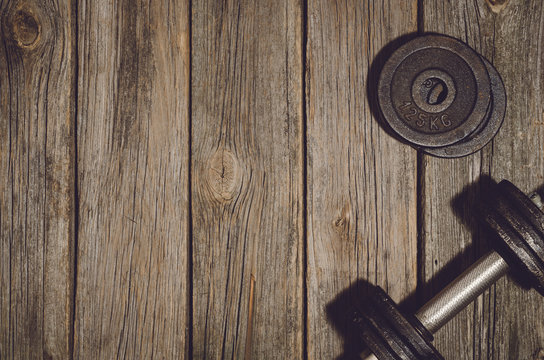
[(519, 225), (435, 92), (389, 333)]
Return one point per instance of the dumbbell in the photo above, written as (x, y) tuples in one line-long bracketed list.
[(517, 221), (441, 97)]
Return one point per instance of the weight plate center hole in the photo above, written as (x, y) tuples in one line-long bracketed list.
[(433, 91), (436, 89)]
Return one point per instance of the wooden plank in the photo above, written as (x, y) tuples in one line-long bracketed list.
[(37, 186), (133, 133), (361, 182), (448, 245), (504, 323), (247, 179)]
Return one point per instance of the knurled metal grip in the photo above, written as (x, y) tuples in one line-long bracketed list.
[(441, 97)]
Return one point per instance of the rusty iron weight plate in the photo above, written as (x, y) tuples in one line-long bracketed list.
[(440, 96), (518, 224), (389, 333)]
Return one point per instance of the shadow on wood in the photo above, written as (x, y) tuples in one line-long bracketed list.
[(338, 314), (466, 207)]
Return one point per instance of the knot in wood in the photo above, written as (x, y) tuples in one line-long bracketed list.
[(23, 27), (497, 5), (223, 175), (341, 223)]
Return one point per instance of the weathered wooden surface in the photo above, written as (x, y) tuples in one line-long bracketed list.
[(204, 128), (247, 179), (133, 136), (506, 322), (361, 182), (37, 122)]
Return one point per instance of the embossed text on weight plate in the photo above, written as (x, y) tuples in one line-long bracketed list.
[(412, 114)]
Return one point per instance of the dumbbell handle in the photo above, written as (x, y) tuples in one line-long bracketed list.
[(460, 292), (464, 289)]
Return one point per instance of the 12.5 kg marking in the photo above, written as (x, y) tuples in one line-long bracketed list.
[(411, 114)]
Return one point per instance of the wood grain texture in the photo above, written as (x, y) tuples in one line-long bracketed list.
[(361, 181), (37, 186), (133, 134), (506, 322), (247, 180)]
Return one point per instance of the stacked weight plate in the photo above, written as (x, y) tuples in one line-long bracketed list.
[(441, 97), (389, 333), (519, 225)]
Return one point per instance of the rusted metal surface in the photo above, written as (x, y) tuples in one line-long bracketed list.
[(389, 333), (519, 225), (441, 97)]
